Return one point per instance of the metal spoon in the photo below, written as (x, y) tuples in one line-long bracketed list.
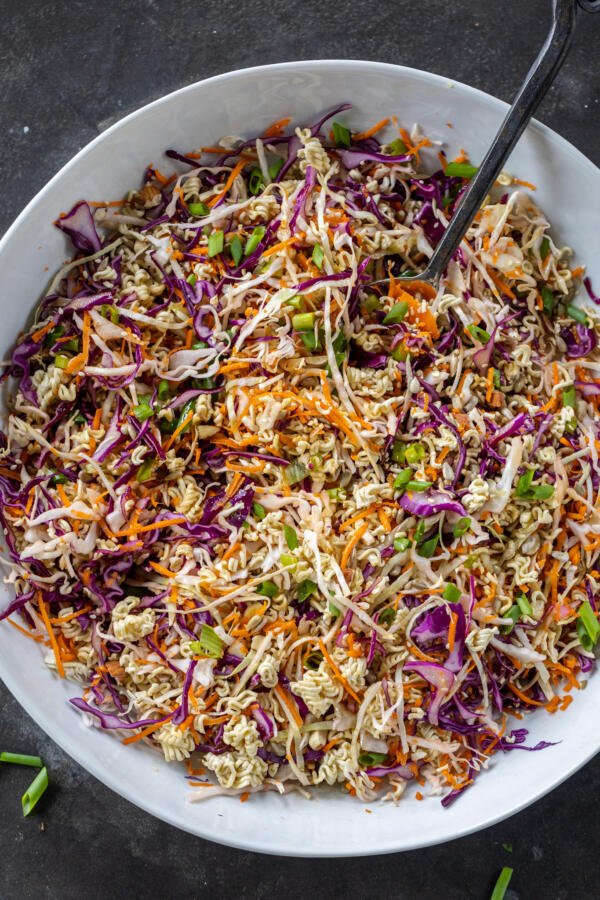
[(536, 84)]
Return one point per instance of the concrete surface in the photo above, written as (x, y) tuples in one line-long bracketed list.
[(67, 71)]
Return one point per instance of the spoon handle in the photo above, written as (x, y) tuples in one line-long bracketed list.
[(536, 84)]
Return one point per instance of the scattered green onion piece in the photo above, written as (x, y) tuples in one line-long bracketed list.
[(295, 472), (419, 531), (167, 426), (52, 336), (513, 613), (460, 170), (398, 452), (255, 182), (35, 790), (199, 345), (21, 759), (542, 492), (496, 378), (305, 589), (578, 314), (366, 760), (524, 605), (313, 659), (144, 472), (418, 486), (144, 410), (544, 248), (502, 884), (548, 300), (236, 248), (399, 353), (396, 313), (318, 256), (451, 593), (275, 168), (402, 479), (61, 361), (461, 527), (114, 315), (59, 478), (71, 346), (187, 408), (79, 419), (209, 643), (568, 396), (524, 484), (267, 589), (341, 135), (215, 243), (334, 493), (402, 543), (291, 538), (303, 321), (334, 610), (397, 147), (371, 303), (427, 549), (387, 616), (588, 628), (198, 209), (415, 453), (254, 240), (258, 510), (164, 391), (478, 334)]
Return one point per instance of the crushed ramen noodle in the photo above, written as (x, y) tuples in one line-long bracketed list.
[(289, 526)]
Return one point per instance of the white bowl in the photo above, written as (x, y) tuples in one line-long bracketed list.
[(244, 103)]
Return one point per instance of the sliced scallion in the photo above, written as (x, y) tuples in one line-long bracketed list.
[(318, 256), (267, 589), (254, 240), (215, 243), (341, 135), (502, 884), (291, 538), (258, 510), (35, 790), (396, 313), (305, 589), (460, 170), (303, 321), (21, 759), (236, 248), (451, 593), (588, 629), (461, 527), (209, 643)]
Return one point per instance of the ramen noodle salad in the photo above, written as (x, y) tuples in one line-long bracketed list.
[(290, 527)]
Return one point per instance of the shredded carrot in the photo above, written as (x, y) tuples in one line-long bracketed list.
[(489, 384), (53, 642), (277, 127), (526, 184), (60, 620), (363, 135), (149, 729), (163, 523), (161, 570), (42, 332), (336, 672), (234, 174), (352, 544), (289, 704), (179, 429)]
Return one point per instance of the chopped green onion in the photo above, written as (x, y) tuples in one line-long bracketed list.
[(287, 559), (267, 589), (71, 346), (255, 182), (186, 410), (402, 543), (578, 314), (514, 613), (588, 629), (334, 493), (21, 759), (79, 419), (524, 605), (34, 791), (254, 240), (61, 361), (199, 345), (334, 610), (387, 616), (341, 135), (258, 510), (275, 168), (295, 472), (371, 303), (144, 410), (418, 486), (524, 483), (198, 209), (59, 478), (236, 248), (144, 472), (167, 426), (209, 644), (396, 313), (420, 531), (568, 396), (502, 884), (428, 548), (303, 321), (451, 593), (311, 340), (528, 491), (415, 453), (398, 452), (496, 378), (305, 589), (291, 538), (164, 390), (544, 248), (542, 491), (402, 479), (461, 527), (548, 300), (460, 170), (478, 334), (397, 147), (215, 243), (371, 759), (313, 659), (318, 256), (52, 336)]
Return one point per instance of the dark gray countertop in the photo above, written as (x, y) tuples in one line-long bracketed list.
[(67, 71)]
